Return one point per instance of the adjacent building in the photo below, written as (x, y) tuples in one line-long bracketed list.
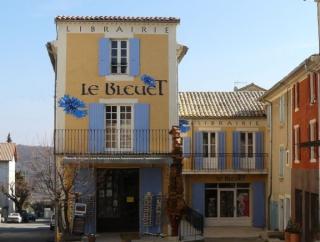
[(225, 166), (8, 158), (116, 100), (278, 102), (293, 105)]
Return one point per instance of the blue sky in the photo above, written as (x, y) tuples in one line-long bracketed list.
[(229, 41)]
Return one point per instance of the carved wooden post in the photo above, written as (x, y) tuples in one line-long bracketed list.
[(176, 204)]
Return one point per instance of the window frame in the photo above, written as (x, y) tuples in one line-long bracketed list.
[(119, 57), (296, 141), (118, 127), (312, 137), (282, 109), (282, 158), (312, 89), (209, 144), (246, 153), (296, 97)]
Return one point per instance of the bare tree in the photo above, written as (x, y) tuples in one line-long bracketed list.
[(59, 182), (18, 191)]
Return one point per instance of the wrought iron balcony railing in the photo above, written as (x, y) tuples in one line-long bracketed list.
[(225, 162), (112, 142)]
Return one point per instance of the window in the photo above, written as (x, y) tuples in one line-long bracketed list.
[(296, 96), (282, 112), (119, 56), (312, 87), (119, 127), (282, 158), (246, 144), (313, 131), (209, 144), (296, 143)]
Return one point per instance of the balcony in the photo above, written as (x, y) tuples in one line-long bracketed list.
[(225, 163), (112, 142)]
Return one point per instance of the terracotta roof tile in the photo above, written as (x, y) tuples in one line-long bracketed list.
[(7, 151), (221, 104), (118, 19)]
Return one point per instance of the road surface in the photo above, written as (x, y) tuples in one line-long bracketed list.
[(26, 232)]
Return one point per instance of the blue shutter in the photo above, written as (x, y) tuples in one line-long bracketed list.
[(104, 57), (96, 134), (222, 150), (134, 62), (198, 197), (259, 150), (274, 215), (258, 189), (198, 150), (141, 128), (236, 150), (85, 184), (150, 181), (186, 146)]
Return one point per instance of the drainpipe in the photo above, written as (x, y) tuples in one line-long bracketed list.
[(270, 170)]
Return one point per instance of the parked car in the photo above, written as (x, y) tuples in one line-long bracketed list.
[(31, 217), (52, 222), (24, 216), (14, 218)]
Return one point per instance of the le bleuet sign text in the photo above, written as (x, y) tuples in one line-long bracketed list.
[(114, 89)]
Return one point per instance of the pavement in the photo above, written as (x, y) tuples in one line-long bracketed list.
[(26, 232)]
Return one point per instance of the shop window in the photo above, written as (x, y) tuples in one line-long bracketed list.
[(119, 127), (119, 57), (211, 203), (243, 203)]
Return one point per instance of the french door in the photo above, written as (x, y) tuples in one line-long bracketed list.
[(119, 124), (247, 159), (227, 203)]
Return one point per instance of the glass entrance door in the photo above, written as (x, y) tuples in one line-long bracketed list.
[(227, 203)]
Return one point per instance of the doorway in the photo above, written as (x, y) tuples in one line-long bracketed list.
[(117, 200)]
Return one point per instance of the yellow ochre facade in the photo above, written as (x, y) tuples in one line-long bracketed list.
[(116, 100)]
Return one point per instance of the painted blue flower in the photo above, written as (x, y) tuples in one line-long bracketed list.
[(73, 106), (148, 80), (184, 125)]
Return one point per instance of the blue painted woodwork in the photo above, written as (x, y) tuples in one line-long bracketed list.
[(96, 128), (198, 197), (141, 125), (236, 149), (134, 56), (198, 149), (150, 181), (221, 150), (104, 57), (259, 195)]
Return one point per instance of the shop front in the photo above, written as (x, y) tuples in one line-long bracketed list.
[(227, 203), (240, 202)]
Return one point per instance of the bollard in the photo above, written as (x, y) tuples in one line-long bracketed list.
[(91, 238)]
